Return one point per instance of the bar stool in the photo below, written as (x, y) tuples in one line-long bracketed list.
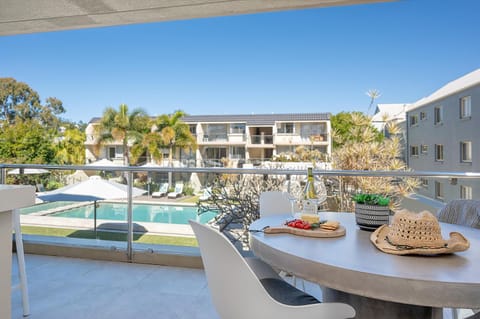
[(21, 262)]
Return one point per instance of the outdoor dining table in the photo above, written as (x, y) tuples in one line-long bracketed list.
[(351, 269)]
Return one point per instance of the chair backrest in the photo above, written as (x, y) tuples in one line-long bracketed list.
[(231, 282), (274, 202), (461, 212), (178, 188), (237, 292), (163, 188)]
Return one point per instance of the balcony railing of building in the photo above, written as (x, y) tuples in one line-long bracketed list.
[(261, 139), (214, 138), (470, 180)]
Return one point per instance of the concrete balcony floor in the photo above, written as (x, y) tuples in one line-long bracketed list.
[(62, 287)]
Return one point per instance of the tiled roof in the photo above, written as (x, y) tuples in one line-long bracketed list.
[(251, 119), (257, 119), (460, 84)]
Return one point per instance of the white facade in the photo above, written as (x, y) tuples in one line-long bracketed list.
[(444, 135), (239, 139)]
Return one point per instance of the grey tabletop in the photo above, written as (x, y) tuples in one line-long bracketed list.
[(352, 264)]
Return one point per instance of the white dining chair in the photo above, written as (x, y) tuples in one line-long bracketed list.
[(274, 203), (21, 262), (237, 292)]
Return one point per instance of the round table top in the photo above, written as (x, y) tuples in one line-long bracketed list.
[(352, 264)]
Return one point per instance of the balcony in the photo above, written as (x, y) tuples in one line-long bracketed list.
[(63, 287), (214, 138), (261, 140)]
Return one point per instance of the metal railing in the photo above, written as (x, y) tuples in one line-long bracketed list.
[(130, 170)]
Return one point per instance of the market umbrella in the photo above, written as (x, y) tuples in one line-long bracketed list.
[(93, 189), (103, 162)]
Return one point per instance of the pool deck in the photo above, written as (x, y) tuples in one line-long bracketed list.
[(42, 219)]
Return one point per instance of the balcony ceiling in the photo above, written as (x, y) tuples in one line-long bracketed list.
[(27, 16)]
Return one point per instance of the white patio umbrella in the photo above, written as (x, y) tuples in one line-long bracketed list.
[(28, 171), (103, 162), (93, 189)]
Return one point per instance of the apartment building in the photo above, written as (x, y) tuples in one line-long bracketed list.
[(443, 134), (240, 139)]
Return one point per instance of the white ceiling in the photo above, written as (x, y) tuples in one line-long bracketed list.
[(30, 16)]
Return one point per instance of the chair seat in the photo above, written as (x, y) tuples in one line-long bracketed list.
[(283, 292)]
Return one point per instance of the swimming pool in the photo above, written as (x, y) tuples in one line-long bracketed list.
[(43, 207), (166, 214)]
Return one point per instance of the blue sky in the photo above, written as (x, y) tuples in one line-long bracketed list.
[(315, 60)]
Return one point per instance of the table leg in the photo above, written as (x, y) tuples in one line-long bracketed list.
[(5, 264), (368, 308)]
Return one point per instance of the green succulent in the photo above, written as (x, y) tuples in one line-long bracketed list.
[(371, 199)]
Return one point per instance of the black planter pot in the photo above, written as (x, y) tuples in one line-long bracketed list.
[(370, 217)]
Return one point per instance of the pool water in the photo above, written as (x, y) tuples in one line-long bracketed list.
[(167, 214), (43, 206)]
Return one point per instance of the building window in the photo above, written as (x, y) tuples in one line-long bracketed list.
[(424, 182), (285, 128), (193, 129), (111, 152), (438, 115), (465, 192), (424, 149), (466, 152), (465, 107), (413, 120), (439, 152), (423, 116), (439, 190), (238, 152), (414, 150), (237, 128)]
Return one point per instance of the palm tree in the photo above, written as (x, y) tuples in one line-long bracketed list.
[(174, 134), (373, 94), (121, 125)]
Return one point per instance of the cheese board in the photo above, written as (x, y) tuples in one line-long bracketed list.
[(317, 232)]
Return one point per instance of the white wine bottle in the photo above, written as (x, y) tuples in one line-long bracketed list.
[(309, 202)]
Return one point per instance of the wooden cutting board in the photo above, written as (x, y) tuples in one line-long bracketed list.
[(317, 232)]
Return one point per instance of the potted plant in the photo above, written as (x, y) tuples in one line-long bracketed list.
[(371, 210)]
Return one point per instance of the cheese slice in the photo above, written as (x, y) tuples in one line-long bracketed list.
[(311, 218)]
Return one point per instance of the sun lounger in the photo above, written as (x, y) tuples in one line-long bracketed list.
[(162, 191), (207, 194), (177, 192)]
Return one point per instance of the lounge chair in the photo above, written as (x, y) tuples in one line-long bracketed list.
[(177, 192), (207, 194), (162, 191)]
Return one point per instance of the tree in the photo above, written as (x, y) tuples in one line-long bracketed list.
[(71, 148), (352, 127), (373, 94), (18, 101), (174, 134), (27, 142), (370, 154), (121, 125)]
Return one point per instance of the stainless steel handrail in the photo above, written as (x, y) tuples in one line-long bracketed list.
[(261, 171)]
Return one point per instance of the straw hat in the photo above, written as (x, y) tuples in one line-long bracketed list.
[(412, 233)]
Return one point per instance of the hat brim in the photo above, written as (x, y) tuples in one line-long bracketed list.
[(457, 242)]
